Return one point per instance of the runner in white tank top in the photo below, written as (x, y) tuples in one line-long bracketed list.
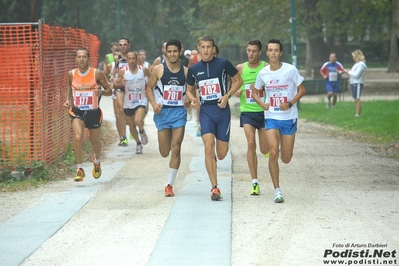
[(134, 79)]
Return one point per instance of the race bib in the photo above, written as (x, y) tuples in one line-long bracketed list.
[(248, 94), (210, 89), (135, 90), (173, 95), (278, 98), (332, 76), (84, 100)]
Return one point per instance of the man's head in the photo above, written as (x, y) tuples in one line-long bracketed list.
[(254, 50), (173, 49), (124, 45), (82, 58), (274, 50), (164, 48), (333, 58), (142, 55), (113, 47), (206, 48), (132, 59)]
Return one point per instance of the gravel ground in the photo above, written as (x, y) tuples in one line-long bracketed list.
[(337, 192)]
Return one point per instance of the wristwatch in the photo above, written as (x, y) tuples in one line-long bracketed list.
[(290, 104)]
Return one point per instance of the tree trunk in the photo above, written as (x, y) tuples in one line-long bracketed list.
[(393, 64)]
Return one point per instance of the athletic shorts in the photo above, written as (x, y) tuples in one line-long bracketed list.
[(91, 118), (255, 119), (121, 89), (286, 127), (132, 111), (171, 117), (332, 87), (356, 90), (215, 120)]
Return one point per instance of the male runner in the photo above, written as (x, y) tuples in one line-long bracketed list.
[(211, 76), (121, 63), (168, 99), (160, 59), (330, 72), (252, 116), (143, 59), (85, 92), (134, 80), (284, 88)]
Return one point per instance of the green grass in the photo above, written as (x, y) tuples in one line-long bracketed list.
[(378, 123)]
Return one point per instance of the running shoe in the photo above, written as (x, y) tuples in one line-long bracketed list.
[(143, 137), (255, 189), (215, 194), (123, 142), (328, 105), (80, 174), (96, 172), (169, 191), (279, 198), (267, 154), (199, 132), (131, 136), (139, 149)]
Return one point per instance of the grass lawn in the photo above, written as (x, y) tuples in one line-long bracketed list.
[(378, 123)]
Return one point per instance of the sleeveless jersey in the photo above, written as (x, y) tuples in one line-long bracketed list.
[(248, 75), (171, 88), (122, 64), (83, 86), (135, 89)]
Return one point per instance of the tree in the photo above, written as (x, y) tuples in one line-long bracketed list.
[(393, 64)]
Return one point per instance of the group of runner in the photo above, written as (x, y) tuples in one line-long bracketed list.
[(268, 94)]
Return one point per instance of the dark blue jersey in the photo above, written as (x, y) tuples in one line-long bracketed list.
[(211, 78)]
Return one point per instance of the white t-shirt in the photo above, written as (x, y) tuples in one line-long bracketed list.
[(280, 86), (135, 89)]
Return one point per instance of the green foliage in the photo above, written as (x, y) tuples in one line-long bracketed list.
[(378, 123)]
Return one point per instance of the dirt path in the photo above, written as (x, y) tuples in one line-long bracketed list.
[(337, 191)]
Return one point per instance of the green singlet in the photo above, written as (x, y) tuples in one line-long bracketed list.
[(247, 103)]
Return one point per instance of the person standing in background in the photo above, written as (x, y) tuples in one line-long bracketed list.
[(356, 75)]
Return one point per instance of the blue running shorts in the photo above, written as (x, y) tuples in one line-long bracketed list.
[(171, 117), (286, 127)]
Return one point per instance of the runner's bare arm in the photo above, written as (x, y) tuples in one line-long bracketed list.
[(102, 80), (156, 73), (118, 83), (67, 103), (239, 68)]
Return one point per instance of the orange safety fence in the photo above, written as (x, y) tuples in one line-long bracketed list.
[(34, 125)]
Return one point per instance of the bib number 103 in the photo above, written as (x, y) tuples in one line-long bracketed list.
[(276, 101)]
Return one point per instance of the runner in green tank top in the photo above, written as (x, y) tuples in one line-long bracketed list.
[(252, 115)]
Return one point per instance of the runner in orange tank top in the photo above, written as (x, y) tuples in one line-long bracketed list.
[(83, 99)]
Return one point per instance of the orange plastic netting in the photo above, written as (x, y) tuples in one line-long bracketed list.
[(34, 125)]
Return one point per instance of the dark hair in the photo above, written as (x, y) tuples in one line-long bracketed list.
[(126, 39), (207, 38), (277, 42), (176, 43), (83, 49), (256, 42)]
